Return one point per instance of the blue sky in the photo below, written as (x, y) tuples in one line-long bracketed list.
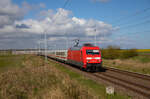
[(109, 11), (130, 17)]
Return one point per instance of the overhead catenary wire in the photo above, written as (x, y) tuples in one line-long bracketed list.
[(133, 33), (128, 22), (54, 19), (62, 35), (65, 4), (45, 36), (135, 25), (132, 15)]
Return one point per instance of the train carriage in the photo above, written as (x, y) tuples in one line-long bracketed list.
[(87, 57), (60, 55)]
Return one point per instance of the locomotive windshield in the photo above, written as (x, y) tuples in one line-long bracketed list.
[(93, 52)]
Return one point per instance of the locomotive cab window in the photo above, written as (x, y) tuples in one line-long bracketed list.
[(92, 52)]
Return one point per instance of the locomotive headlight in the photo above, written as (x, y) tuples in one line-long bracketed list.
[(97, 58), (89, 58)]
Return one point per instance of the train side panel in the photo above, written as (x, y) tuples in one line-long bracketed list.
[(75, 57), (60, 55)]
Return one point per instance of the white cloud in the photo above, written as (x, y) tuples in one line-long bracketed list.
[(10, 12), (57, 25), (27, 7), (79, 21), (7, 7)]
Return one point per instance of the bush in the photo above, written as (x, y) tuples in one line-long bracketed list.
[(111, 52), (114, 52), (128, 53)]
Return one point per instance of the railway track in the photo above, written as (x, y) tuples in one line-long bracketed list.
[(133, 74), (139, 84), (134, 84)]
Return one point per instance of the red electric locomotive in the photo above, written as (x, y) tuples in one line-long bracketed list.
[(87, 57)]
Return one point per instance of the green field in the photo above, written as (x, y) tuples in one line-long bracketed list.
[(142, 58), (8, 62), (140, 64), (143, 50), (136, 60), (28, 77)]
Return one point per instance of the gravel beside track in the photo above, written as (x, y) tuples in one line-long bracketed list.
[(130, 83)]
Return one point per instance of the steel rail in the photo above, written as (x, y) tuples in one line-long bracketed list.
[(133, 74)]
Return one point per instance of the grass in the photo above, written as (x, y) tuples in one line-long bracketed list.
[(37, 81), (142, 58), (96, 88), (10, 61), (34, 80), (140, 64), (136, 60)]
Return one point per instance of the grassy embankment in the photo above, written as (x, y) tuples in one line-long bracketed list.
[(8, 62), (26, 77), (94, 87), (139, 63)]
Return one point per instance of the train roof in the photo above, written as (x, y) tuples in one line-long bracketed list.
[(76, 48), (84, 45)]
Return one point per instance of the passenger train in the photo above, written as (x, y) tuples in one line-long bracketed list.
[(86, 57)]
